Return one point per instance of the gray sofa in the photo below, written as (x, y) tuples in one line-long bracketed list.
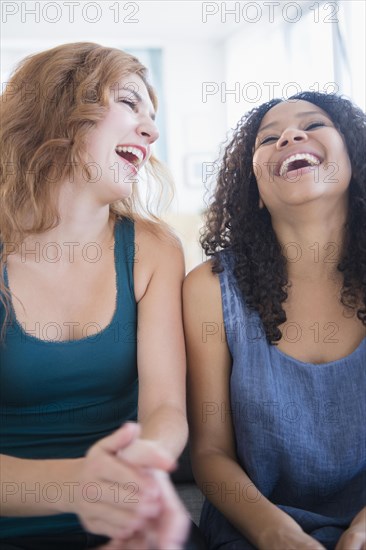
[(186, 487)]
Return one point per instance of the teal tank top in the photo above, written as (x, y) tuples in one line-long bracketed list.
[(59, 397)]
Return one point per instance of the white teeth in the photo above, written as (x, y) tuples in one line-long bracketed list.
[(312, 160), (134, 150)]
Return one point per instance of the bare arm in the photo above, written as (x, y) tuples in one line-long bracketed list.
[(161, 350), (20, 476), (212, 436), (161, 359)]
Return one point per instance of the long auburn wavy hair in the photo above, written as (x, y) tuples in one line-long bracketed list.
[(234, 220), (49, 105)]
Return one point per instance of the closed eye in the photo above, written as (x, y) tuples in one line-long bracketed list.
[(132, 104), (268, 139), (315, 125), (311, 126)]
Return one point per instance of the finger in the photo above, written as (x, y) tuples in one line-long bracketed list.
[(116, 524), (147, 454), (121, 438), (134, 491), (174, 521), (128, 484), (131, 542), (114, 518), (139, 541)]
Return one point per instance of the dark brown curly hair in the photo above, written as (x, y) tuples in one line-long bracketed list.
[(235, 221)]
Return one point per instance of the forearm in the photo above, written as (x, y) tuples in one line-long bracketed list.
[(168, 426), (36, 487), (360, 518), (231, 491)]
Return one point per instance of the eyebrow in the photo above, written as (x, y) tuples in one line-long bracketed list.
[(139, 100), (298, 115)]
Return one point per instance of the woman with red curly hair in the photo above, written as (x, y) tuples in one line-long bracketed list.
[(90, 310), (275, 326)]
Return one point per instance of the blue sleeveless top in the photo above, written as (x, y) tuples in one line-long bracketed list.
[(300, 428), (59, 397)]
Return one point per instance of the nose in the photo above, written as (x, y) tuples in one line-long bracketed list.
[(291, 135), (148, 129)]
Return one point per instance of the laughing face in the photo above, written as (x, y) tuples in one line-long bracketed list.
[(120, 144), (299, 156)]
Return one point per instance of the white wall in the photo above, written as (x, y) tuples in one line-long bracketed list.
[(194, 128)]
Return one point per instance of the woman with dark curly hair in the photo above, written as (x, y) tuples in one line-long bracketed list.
[(275, 326)]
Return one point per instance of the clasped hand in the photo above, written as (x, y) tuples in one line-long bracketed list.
[(135, 505)]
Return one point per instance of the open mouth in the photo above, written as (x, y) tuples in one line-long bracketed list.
[(133, 155), (298, 161)]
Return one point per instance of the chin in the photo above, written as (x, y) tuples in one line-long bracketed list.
[(303, 199), (116, 196)]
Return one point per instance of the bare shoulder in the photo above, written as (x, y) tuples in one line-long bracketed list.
[(158, 251), (201, 290), (157, 239), (202, 281)]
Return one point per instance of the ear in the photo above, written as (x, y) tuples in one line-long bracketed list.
[(261, 203)]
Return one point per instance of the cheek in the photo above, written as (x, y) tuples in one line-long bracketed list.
[(257, 170), (347, 170), (343, 163), (261, 178), (261, 168), (257, 165)]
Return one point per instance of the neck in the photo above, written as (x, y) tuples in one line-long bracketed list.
[(312, 243), (82, 222)]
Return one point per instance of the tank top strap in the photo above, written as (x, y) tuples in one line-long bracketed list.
[(242, 325), (124, 250)]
